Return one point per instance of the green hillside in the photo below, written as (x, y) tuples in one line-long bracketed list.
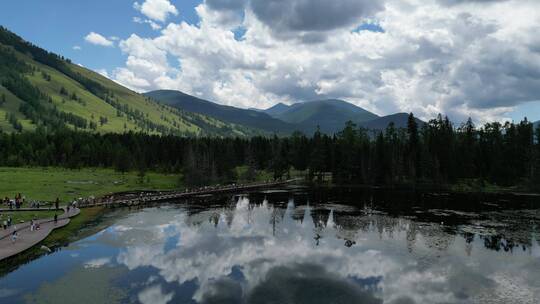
[(9, 112), (44, 89)]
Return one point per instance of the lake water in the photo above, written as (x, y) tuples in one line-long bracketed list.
[(283, 247)]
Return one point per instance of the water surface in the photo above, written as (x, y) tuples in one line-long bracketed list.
[(283, 249)]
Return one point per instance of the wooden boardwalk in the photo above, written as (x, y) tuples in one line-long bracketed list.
[(26, 239), (142, 198)]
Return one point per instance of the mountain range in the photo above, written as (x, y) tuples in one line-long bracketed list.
[(329, 115), (42, 89), (250, 118)]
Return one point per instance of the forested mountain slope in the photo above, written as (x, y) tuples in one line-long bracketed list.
[(39, 88), (251, 118), (399, 120)]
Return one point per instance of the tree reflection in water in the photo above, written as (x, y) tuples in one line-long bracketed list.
[(285, 250)]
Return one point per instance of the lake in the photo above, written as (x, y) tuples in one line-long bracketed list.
[(296, 246)]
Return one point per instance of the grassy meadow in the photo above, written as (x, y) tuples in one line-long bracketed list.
[(46, 184), (26, 216)]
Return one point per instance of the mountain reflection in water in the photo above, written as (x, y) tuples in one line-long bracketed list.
[(264, 253)]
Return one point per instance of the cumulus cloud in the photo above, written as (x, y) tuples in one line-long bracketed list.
[(97, 39), (158, 10), (146, 63), (312, 16), (224, 13), (77, 48), (436, 56), (456, 2)]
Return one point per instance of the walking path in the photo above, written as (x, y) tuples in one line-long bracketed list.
[(27, 209), (26, 238)]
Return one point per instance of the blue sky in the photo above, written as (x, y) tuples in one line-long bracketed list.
[(394, 51), (59, 25)]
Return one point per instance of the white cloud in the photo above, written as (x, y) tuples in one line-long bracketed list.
[(152, 24), (77, 48), (97, 39), (158, 10), (435, 56)]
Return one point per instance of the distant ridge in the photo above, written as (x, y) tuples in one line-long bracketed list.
[(249, 118), (399, 119), (277, 109), (330, 115)]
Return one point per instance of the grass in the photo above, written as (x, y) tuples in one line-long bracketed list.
[(11, 106), (25, 216), (61, 235), (46, 184), (475, 185)]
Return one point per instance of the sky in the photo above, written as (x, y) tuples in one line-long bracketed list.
[(461, 58)]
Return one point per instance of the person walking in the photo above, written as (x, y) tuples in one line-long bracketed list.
[(55, 218), (14, 236), (9, 221)]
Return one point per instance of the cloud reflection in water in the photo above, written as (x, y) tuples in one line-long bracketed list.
[(278, 259)]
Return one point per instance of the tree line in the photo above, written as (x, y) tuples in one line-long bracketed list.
[(435, 153)]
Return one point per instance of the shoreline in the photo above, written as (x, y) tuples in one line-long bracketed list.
[(434, 189), (26, 238), (58, 238)]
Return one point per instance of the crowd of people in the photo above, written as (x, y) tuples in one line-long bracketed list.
[(19, 202), (16, 203)]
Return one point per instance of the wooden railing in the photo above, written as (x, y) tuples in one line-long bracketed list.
[(153, 197)]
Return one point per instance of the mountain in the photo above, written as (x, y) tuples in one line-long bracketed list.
[(536, 124), (277, 109), (39, 88), (330, 115), (381, 123), (250, 118)]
